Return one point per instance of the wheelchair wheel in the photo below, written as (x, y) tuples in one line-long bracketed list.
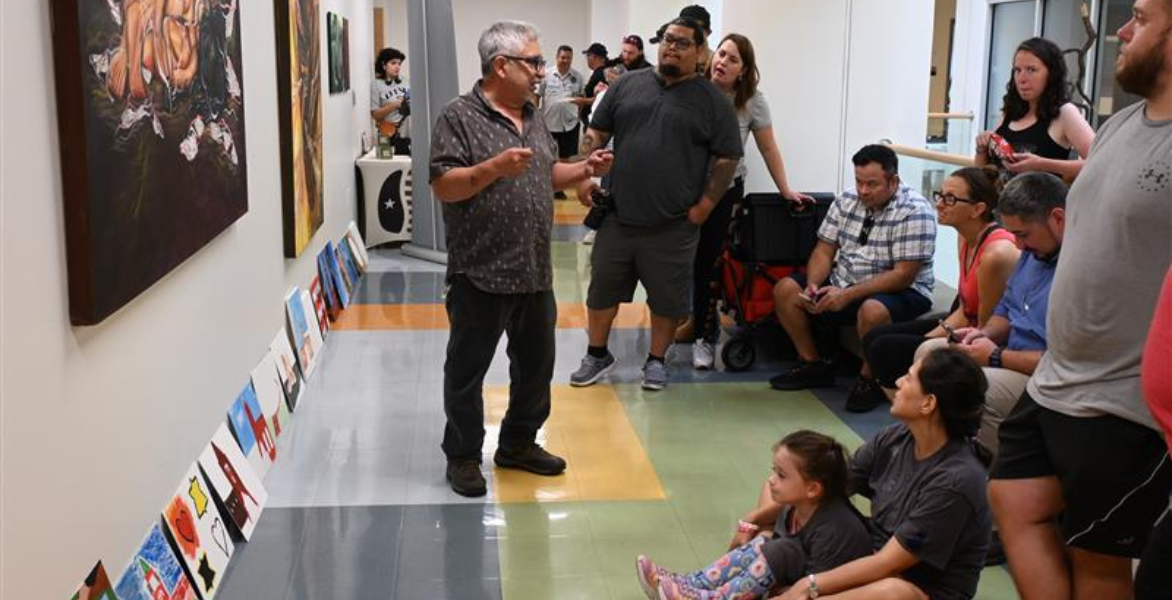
[(738, 354)]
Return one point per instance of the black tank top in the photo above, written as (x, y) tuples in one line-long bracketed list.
[(1035, 139)]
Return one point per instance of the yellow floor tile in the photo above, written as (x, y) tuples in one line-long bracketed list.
[(589, 427)]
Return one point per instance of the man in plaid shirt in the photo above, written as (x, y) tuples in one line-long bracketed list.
[(872, 266)]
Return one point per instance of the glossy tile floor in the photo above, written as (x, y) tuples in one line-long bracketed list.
[(359, 509)]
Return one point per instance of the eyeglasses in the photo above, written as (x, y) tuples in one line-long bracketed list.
[(950, 199), (865, 232), (536, 63), (671, 41)]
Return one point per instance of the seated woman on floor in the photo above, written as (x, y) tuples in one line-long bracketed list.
[(818, 530), (930, 519)]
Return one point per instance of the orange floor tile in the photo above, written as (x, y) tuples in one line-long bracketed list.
[(381, 317)]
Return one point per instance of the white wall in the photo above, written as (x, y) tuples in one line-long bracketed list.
[(99, 423), (559, 22)]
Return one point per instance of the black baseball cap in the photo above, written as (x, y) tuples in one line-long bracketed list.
[(596, 49), (699, 14)]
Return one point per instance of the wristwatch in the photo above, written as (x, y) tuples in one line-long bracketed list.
[(812, 587), (995, 357)]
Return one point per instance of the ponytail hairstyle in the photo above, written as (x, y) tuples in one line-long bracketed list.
[(984, 185), (819, 458)]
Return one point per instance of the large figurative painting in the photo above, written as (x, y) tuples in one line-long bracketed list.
[(339, 32), (300, 115), (151, 120)]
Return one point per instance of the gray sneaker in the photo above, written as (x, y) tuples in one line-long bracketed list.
[(592, 370), (654, 375)]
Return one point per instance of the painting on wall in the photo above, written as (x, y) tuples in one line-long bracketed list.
[(151, 121), (251, 429), (96, 586), (266, 381), (154, 573), (300, 118), (199, 533), (339, 44), (287, 369), (232, 479)]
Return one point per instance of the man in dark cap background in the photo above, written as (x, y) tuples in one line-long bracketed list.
[(700, 15), (632, 55), (596, 60)]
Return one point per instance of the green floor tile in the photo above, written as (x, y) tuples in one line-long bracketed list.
[(576, 587), (617, 555), (996, 584), (621, 519), (528, 557), (543, 519)]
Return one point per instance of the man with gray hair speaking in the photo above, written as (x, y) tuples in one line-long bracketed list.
[(494, 166)]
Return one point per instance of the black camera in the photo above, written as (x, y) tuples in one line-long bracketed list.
[(602, 205)]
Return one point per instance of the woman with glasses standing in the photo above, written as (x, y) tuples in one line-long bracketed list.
[(1037, 118), (988, 255), (733, 70)]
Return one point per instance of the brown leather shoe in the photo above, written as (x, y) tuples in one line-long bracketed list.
[(532, 458), (466, 479)]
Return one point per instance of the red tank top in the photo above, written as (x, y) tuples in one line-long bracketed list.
[(969, 289), (1157, 361)]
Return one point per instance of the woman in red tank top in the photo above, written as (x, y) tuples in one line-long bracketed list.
[(988, 255)]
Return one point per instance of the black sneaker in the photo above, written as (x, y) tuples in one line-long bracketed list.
[(532, 458), (466, 478), (805, 375), (866, 396)]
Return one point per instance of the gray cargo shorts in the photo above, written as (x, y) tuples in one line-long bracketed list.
[(658, 257)]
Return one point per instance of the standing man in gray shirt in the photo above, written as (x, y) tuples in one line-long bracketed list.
[(1083, 472), (677, 144), (493, 164)]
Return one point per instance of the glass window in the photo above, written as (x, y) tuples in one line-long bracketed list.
[(1108, 97), (1063, 25), (1013, 23)]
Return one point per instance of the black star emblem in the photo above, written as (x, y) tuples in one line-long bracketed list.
[(206, 572)]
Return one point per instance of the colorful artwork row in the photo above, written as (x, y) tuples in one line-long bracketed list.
[(220, 499)]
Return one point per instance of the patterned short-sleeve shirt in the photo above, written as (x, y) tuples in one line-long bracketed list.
[(499, 238), (904, 230)]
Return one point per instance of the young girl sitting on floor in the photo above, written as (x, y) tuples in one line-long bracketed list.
[(817, 530)]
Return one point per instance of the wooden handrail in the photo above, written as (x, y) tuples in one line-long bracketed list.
[(964, 116), (944, 157)]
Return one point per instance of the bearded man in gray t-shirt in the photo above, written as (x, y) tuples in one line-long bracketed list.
[(1083, 472)]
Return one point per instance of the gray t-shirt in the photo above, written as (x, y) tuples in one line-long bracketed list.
[(755, 115), (1117, 246), (935, 507), (555, 91), (834, 536), (382, 92), (665, 137)]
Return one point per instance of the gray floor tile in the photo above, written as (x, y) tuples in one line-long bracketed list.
[(399, 287), (347, 553)]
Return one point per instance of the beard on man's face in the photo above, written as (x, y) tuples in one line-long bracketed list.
[(669, 70), (1141, 74)]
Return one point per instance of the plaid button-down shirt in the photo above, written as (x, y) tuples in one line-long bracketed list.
[(904, 230)]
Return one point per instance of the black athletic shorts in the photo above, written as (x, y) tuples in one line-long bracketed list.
[(1115, 474)]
